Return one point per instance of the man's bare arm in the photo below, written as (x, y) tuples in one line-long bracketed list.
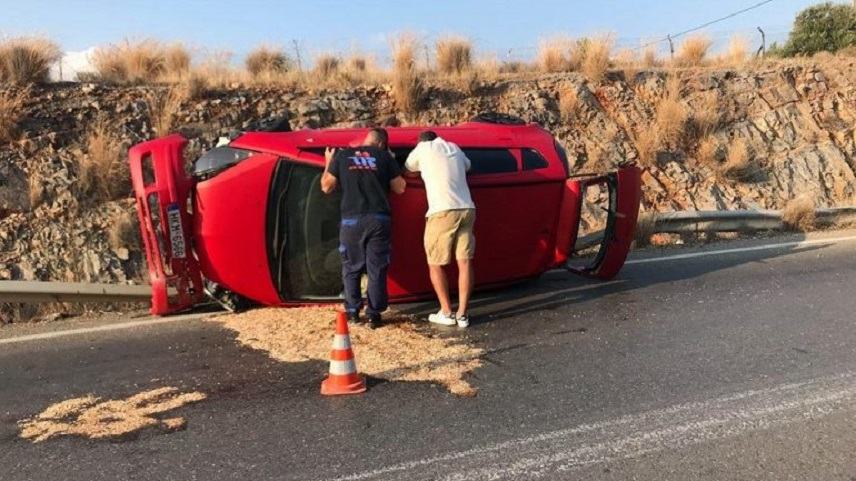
[(328, 180)]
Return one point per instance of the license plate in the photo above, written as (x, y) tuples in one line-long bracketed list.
[(176, 234)]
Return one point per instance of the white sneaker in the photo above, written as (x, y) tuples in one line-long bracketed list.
[(464, 321), (442, 318)]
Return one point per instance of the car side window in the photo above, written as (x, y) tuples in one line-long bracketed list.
[(532, 159), (491, 161)]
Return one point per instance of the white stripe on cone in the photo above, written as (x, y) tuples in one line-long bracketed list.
[(340, 368), (341, 342)]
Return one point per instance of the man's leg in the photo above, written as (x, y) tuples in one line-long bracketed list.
[(465, 250), (378, 250), (353, 264), (465, 285), (441, 287), (439, 231)]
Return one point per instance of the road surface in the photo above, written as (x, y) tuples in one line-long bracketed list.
[(732, 361)]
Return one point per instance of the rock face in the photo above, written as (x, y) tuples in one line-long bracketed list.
[(796, 121)]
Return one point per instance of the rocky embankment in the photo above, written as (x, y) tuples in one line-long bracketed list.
[(794, 122)]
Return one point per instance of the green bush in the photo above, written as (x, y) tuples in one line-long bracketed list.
[(823, 27)]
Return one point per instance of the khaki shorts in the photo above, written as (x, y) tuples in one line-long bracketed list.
[(450, 231)]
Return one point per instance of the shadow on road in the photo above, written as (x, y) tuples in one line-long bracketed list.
[(558, 289)]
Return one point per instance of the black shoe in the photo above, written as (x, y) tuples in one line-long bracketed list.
[(354, 318), (374, 321)]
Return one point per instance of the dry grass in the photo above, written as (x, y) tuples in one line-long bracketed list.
[(692, 51), (670, 115), (163, 108), (707, 114), (628, 62), (11, 111), (93, 418), (799, 214), (102, 172), (177, 61), (454, 55), (356, 64), (595, 57), (738, 162), (407, 86), (140, 62), (327, 66), (267, 62), (708, 151), (123, 232), (553, 54), (569, 104), (647, 143), (649, 57), (399, 350), (737, 52), (26, 60)]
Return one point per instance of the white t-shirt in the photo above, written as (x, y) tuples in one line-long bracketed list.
[(443, 167)]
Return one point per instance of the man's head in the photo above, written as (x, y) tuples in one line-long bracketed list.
[(427, 136), (377, 137)]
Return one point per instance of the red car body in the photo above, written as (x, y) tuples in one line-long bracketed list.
[(258, 224)]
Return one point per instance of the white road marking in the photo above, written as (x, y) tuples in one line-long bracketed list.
[(690, 255), (105, 327), (632, 436)]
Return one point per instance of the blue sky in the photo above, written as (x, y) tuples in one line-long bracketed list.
[(365, 25)]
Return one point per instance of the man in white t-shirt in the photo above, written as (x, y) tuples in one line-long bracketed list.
[(449, 221)]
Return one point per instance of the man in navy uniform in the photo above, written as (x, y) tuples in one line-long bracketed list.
[(365, 174)]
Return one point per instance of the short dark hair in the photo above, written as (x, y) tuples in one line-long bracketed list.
[(427, 136), (381, 135)]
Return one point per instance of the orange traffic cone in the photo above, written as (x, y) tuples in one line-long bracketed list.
[(343, 378)]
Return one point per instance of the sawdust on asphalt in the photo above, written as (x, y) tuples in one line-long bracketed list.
[(93, 418), (399, 350)]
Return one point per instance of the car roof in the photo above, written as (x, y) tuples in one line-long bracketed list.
[(469, 134)]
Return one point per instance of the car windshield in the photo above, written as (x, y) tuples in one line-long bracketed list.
[(303, 233)]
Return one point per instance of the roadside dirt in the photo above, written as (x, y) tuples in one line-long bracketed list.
[(92, 418), (400, 350)]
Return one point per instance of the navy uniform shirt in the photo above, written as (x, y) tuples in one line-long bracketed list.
[(364, 174)]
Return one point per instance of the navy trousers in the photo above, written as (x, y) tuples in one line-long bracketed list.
[(364, 243)]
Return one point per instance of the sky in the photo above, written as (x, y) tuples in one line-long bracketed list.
[(508, 29)]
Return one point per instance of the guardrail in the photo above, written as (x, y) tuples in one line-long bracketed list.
[(663, 222)]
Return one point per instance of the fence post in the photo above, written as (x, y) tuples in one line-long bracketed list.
[(762, 50), (297, 54), (672, 46)]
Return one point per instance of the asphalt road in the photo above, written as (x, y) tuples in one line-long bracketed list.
[(731, 365)]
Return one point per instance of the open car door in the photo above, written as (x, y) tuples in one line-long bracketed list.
[(625, 191)]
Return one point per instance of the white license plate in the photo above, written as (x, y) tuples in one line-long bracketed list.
[(176, 234)]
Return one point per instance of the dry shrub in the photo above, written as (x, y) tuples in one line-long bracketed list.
[(569, 104), (266, 61), (163, 108), (708, 151), (214, 71), (692, 51), (327, 66), (357, 64), (177, 60), (553, 54), (737, 53), (513, 66), (670, 116), (123, 231), (738, 162), (647, 143), (26, 60), (102, 172), (488, 66), (406, 84), (195, 86), (595, 57), (454, 55), (127, 62), (628, 62), (649, 57), (799, 214), (707, 114), (11, 106)]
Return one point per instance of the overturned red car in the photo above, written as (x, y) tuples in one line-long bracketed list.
[(251, 216)]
